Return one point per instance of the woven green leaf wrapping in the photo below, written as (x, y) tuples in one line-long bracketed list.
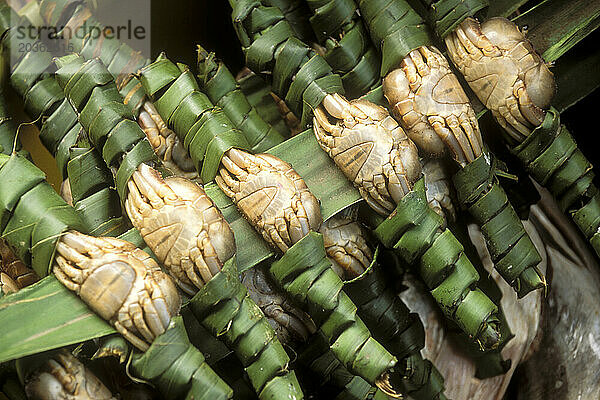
[(178, 369), (399, 330), (93, 193), (521, 192), (230, 369), (348, 47), (317, 357), (448, 14), (81, 29), (91, 90), (60, 131), (296, 14), (7, 18), (33, 219), (300, 76), (32, 215), (27, 67), (44, 100), (305, 273), (8, 131), (553, 159), (512, 251), (488, 363), (390, 320), (555, 27), (120, 59), (91, 183), (206, 131), (396, 29), (413, 230), (258, 93), (43, 97), (61, 318), (224, 307), (220, 86)]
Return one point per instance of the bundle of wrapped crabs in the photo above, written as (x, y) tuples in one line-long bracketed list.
[(327, 223)]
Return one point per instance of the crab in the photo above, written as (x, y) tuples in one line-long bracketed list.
[(166, 144), (120, 282), (504, 71), (291, 324), (180, 223), (271, 195), (438, 188), (291, 121), (346, 247), (428, 101), (370, 148), (65, 377)]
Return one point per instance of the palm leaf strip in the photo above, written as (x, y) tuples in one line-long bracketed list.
[(215, 79)]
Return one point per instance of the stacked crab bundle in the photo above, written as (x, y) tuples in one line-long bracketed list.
[(250, 236)]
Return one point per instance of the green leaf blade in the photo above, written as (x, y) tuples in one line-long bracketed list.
[(322, 176), (61, 319), (555, 26)]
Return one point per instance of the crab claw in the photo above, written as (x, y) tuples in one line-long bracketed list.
[(271, 195), (165, 143), (340, 108), (346, 247), (370, 148), (291, 324)]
